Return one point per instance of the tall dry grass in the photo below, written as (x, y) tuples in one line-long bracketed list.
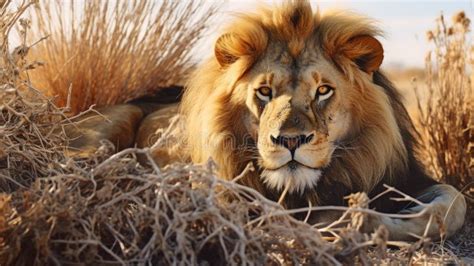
[(109, 52), (446, 107)]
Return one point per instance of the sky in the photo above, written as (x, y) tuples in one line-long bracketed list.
[(405, 23)]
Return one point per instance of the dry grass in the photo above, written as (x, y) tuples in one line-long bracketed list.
[(108, 209), (110, 52), (446, 107), (445, 116), (28, 145), (113, 211)]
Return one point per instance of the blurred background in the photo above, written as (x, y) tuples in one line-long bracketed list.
[(404, 22)]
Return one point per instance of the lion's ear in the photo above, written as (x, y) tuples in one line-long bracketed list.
[(365, 51), (248, 41), (225, 50)]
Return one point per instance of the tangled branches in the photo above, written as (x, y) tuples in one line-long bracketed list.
[(111, 209)]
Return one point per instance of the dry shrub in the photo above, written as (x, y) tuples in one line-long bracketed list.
[(30, 137), (121, 213), (109, 209), (446, 107), (109, 52)]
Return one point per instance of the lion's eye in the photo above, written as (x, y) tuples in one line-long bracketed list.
[(324, 92), (264, 94)]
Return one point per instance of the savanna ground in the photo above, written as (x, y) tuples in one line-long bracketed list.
[(108, 209)]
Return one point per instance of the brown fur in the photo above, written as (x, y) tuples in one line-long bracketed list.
[(116, 124), (380, 146)]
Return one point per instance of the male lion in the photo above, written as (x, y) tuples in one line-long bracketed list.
[(300, 95)]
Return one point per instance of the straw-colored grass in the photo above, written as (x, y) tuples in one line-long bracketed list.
[(446, 108), (109, 52), (445, 116)]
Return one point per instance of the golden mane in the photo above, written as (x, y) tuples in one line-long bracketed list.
[(211, 108)]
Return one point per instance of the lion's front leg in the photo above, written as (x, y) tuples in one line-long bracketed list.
[(445, 215), (163, 132)]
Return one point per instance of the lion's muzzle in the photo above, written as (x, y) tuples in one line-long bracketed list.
[(292, 142)]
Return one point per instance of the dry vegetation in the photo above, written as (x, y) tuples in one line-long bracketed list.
[(110, 209), (447, 107), (109, 52), (29, 148)]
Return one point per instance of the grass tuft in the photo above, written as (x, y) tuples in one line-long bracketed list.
[(446, 107), (109, 52)]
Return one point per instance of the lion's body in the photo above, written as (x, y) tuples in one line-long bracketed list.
[(300, 96)]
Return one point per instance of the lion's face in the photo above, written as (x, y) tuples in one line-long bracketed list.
[(299, 110), (302, 86)]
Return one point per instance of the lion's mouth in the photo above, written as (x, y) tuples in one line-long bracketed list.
[(293, 166)]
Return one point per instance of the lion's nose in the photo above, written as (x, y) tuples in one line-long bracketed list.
[(292, 142)]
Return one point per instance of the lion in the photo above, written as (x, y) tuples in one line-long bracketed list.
[(300, 95)]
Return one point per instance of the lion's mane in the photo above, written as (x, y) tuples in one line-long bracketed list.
[(382, 153)]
